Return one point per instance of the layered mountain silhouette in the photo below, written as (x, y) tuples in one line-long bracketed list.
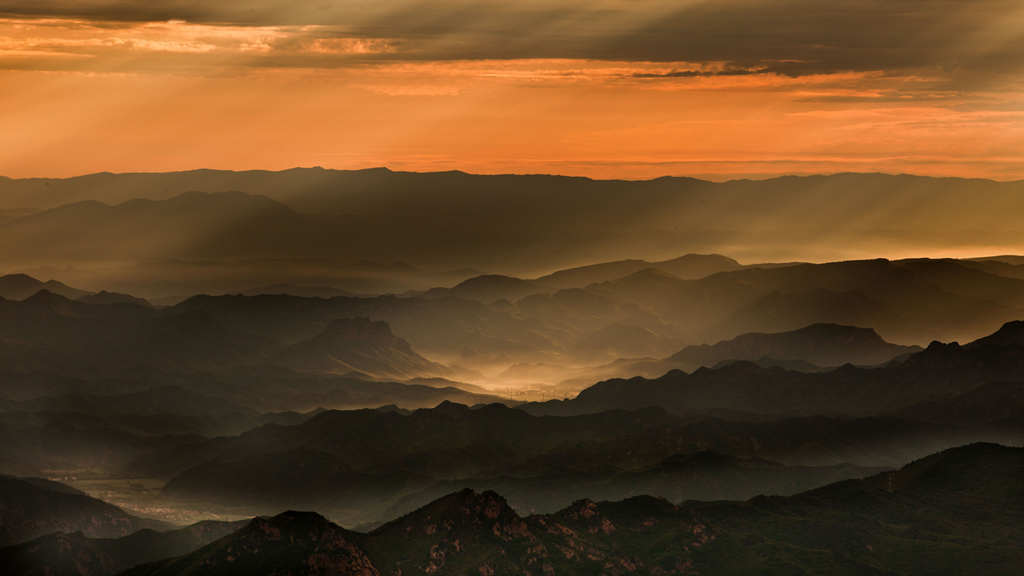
[(22, 286), (359, 345), (950, 512), (31, 507), (822, 345), (50, 334), (383, 462), (291, 542), (75, 554), (646, 314), (300, 225), (941, 370), (646, 214), (493, 287), (810, 349)]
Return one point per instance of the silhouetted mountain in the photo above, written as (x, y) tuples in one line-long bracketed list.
[(897, 298), (362, 466), (104, 297), (649, 313), (109, 433), (702, 475), (956, 510), (814, 348), (75, 554), (190, 225), (310, 220), (360, 345), (821, 345), (49, 334), (491, 287), (679, 211), (22, 286), (31, 507), (289, 543), (940, 370)]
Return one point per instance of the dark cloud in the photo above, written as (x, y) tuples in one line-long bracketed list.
[(971, 43), (698, 73)]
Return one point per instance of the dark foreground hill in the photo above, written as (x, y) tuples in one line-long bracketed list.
[(75, 554), (31, 507), (289, 543), (956, 512)]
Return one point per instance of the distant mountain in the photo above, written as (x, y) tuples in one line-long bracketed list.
[(938, 371), (574, 215), (191, 225), (289, 543), (52, 335), (359, 345), (321, 219), (113, 433), (362, 466), (74, 554), (104, 297), (961, 508), (897, 298), (492, 287), (687, 267), (22, 286), (646, 314), (699, 475), (814, 348), (823, 345), (32, 507)]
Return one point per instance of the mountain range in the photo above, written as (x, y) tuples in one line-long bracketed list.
[(31, 507), (938, 372), (208, 230), (485, 338), (948, 513)]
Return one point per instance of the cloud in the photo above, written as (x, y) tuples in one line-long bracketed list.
[(702, 73), (969, 44)]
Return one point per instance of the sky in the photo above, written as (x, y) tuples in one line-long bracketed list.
[(603, 88)]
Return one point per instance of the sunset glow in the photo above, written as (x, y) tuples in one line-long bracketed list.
[(551, 87)]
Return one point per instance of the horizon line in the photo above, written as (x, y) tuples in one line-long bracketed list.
[(514, 174)]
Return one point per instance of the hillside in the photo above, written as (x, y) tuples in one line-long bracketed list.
[(32, 507), (938, 371), (23, 286), (359, 345), (74, 554), (950, 512), (822, 345)]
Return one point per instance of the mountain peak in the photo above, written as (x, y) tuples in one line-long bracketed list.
[(1010, 335), (288, 522), (457, 511), (820, 344), (46, 298), (276, 545), (359, 345)]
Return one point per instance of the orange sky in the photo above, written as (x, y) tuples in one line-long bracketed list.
[(116, 91)]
